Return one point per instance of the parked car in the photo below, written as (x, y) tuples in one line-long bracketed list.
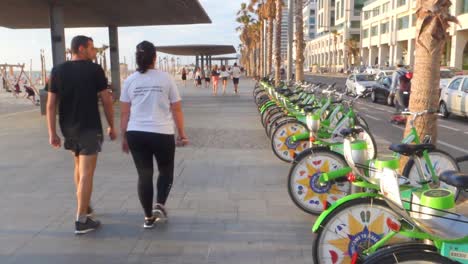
[(445, 76), (454, 97), (454, 70), (370, 70), (359, 83), (382, 73), (381, 89)]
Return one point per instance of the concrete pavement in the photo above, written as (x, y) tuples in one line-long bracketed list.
[(229, 202)]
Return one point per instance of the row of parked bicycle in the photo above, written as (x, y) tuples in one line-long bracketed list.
[(368, 212)]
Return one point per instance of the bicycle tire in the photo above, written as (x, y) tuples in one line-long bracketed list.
[(314, 161), (336, 240), (411, 172), (279, 140), (421, 256)]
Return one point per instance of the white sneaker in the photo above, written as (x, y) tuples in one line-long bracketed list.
[(159, 211)]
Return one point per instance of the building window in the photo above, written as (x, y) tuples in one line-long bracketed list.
[(342, 9), (338, 9), (465, 6), (365, 33), (403, 22), (374, 31), (376, 11), (312, 20), (332, 18), (333, 3), (385, 8), (414, 18), (401, 3), (358, 5), (384, 28), (312, 12), (355, 24), (366, 15)]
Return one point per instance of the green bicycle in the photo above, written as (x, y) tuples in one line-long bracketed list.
[(317, 178)]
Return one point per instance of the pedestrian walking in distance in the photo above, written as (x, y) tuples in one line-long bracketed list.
[(215, 76), (198, 78), (77, 85), (236, 74), (224, 74), (150, 104), (184, 77)]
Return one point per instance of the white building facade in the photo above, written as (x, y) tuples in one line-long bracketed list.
[(337, 21), (388, 33)]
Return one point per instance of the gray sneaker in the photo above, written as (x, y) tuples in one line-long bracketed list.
[(160, 213), (88, 226)]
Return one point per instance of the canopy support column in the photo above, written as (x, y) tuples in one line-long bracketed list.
[(114, 59), (57, 32)]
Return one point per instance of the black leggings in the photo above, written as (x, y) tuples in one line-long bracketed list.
[(144, 146)]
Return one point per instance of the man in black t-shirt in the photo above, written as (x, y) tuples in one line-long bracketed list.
[(76, 85)]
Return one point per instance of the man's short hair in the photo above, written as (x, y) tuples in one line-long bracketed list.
[(235, 63), (79, 41)]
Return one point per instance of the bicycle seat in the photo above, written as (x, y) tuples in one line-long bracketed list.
[(310, 108), (350, 131), (302, 105), (410, 149), (455, 178), (295, 100)]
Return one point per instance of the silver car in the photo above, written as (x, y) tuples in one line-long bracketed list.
[(454, 97), (358, 83)]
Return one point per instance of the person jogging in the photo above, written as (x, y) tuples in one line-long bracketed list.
[(150, 104), (77, 84)]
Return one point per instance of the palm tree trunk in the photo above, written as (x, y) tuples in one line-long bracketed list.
[(261, 54), (431, 26), (299, 42), (270, 46), (279, 12)]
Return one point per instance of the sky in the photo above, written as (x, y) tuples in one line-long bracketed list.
[(21, 45)]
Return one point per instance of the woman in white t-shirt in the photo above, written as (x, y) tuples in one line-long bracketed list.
[(224, 74), (150, 105)]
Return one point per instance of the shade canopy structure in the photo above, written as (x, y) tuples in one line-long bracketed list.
[(59, 14), (22, 14), (191, 50)]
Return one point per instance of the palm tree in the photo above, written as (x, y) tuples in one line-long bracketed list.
[(299, 41), (433, 19), (279, 9), (352, 49), (335, 41), (270, 8), (244, 18)]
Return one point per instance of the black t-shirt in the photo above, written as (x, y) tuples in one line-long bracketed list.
[(214, 73), (77, 84)]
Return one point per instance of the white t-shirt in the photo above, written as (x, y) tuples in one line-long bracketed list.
[(150, 95), (224, 74), (236, 72)]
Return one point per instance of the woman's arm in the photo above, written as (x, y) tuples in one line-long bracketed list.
[(178, 115), (124, 117)]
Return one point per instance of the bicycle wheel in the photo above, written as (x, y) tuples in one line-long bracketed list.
[(269, 111), (361, 121), (281, 143), (271, 118), (441, 161), (412, 254), (370, 141), (303, 180), (271, 127), (351, 228)]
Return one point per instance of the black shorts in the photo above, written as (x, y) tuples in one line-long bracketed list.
[(86, 146), (207, 79), (184, 77), (235, 80), (225, 78)]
